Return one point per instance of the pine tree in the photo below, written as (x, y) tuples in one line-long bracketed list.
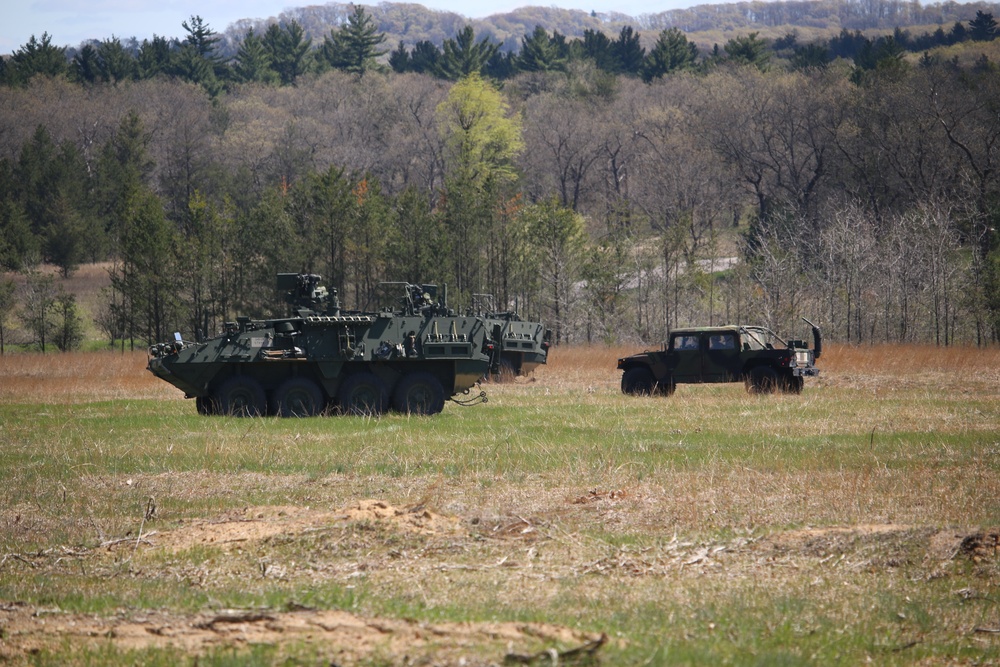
[(399, 59), (983, 28), (37, 57), (597, 47), (627, 53), (253, 61), (289, 50), (464, 56), (354, 47), (749, 50), (672, 52), (539, 53), (154, 57)]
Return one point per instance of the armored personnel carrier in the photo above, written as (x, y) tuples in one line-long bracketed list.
[(753, 355), (520, 346), (408, 358)]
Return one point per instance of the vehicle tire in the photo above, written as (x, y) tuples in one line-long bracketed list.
[(363, 394), (418, 394), (793, 384), (638, 381), (241, 396), (206, 405), (666, 387), (298, 397), (763, 380)]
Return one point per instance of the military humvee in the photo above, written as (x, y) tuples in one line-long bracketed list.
[(750, 354)]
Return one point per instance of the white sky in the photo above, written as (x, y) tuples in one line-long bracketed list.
[(70, 22)]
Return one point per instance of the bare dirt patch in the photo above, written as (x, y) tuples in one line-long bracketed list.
[(339, 636), (258, 523)]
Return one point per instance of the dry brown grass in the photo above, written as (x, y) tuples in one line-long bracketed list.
[(86, 376), (714, 522), (78, 377)]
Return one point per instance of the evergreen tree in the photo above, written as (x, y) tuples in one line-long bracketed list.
[(197, 60), (399, 59), (424, 57), (464, 56), (539, 53), (68, 325), (597, 46), (983, 28), (201, 38), (289, 50), (253, 61), (37, 57), (810, 56), (354, 47), (959, 33), (627, 53), (115, 63), (501, 65), (672, 52), (749, 50), (85, 67), (154, 57)]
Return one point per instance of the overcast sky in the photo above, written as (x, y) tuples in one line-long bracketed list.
[(70, 22)]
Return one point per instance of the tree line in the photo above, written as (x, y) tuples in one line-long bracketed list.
[(283, 53), (611, 206)]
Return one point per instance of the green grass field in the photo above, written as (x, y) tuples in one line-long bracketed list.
[(560, 522)]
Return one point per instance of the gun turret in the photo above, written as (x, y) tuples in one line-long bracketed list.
[(302, 291)]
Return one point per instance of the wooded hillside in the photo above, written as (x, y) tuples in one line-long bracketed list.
[(610, 189)]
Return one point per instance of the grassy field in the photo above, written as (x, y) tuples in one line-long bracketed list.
[(561, 522)]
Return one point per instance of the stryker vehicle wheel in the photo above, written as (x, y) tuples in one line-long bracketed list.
[(206, 405), (297, 397), (792, 385), (363, 394), (763, 380), (241, 396), (638, 381), (418, 394)]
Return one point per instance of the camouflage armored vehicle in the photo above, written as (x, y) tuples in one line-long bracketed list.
[(749, 354), (409, 358), (521, 346)]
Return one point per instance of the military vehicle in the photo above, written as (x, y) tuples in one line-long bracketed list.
[(409, 358), (750, 354), (521, 346)]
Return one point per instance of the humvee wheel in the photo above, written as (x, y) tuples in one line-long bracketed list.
[(241, 396), (638, 381), (666, 387), (418, 394), (763, 380), (297, 397), (363, 394)]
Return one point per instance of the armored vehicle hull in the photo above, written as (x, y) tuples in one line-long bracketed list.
[(408, 360), (749, 354), (521, 346)]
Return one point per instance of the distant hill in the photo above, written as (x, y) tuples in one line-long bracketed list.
[(410, 23)]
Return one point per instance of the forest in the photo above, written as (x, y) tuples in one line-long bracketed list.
[(609, 188)]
